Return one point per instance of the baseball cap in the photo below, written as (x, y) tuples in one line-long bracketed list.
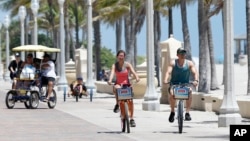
[(17, 55), (79, 78), (181, 50), (30, 55)]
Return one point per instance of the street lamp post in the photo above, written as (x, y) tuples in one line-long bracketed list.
[(35, 7), (62, 83), (1, 65), (89, 82), (151, 102), (7, 24), (22, 15), (229, 110)]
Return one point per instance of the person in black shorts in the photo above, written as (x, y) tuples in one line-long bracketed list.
[(14, 68)]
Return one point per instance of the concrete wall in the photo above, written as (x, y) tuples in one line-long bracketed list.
[(212, 103), (201, 102)]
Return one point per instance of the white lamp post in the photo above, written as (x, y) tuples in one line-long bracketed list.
[(7, 24), (35, 7), (89, 82), (62, 83), (22, 15), (151, 102), (229, 110), (1, 65)]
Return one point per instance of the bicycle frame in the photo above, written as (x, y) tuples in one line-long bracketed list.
[(125, 96), (181, 93)]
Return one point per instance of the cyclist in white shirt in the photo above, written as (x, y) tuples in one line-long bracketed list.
[(48, 74)]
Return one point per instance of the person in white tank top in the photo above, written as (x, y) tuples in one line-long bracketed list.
[(48, 74)]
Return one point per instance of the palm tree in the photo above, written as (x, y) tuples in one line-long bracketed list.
[(215, 10), (97, 45), (248, 42), (204, 65)]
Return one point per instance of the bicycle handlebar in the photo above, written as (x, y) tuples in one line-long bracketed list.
[(182, 84)]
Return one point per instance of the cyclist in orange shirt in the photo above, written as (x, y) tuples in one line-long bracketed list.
[(122, 69)]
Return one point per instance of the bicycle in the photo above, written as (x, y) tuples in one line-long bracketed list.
[(125, 95), (181, 92), (30, 95), (43, 93), (22, 93)]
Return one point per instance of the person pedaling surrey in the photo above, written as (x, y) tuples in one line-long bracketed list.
[(15, 68), (28, 70), (74, 88), (121, 70), (48, 74), (179, 71)]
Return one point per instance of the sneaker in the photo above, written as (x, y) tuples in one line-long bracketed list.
[(45, 100), (187, 117), (132, 123), (171, 117), (116, 108)]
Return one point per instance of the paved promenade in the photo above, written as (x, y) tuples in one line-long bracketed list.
[(85, 120)]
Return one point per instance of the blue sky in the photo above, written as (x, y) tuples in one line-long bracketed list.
[(108, 36), (108, 32)]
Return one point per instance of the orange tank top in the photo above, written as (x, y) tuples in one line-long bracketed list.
[(122, 76)]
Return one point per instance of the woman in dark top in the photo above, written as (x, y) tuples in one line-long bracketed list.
[(14, 67)]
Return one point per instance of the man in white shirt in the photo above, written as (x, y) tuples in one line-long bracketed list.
[(48, 74)]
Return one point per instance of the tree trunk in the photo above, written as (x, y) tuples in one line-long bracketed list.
[(157, 37), (127, 33), (214, 81), (67, 39), (76, 25), (51, 21), (97, 46), (130, 54), (185, 30), (203, 50), (170, 22), (248, 42), (118, 26)]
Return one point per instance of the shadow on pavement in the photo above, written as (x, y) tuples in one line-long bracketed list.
[(111, 132), (222, 137)]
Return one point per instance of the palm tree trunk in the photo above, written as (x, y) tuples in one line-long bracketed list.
[(203, 50), (130, 53), (214, 81), (97, 46), (157, 37), (118, 26), (170, 22), (127, 33), (185, 30), (135, 51), (248, 43), (77, 25), (51, 20), (67, 39)]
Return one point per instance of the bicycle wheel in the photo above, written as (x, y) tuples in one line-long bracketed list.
[(34, 99), (27, 102), (123, 124), (10, 100), (180, 115), (52, 100), (77, 96), (126, 117)]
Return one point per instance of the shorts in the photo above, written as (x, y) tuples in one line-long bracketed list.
[(45, 80)]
